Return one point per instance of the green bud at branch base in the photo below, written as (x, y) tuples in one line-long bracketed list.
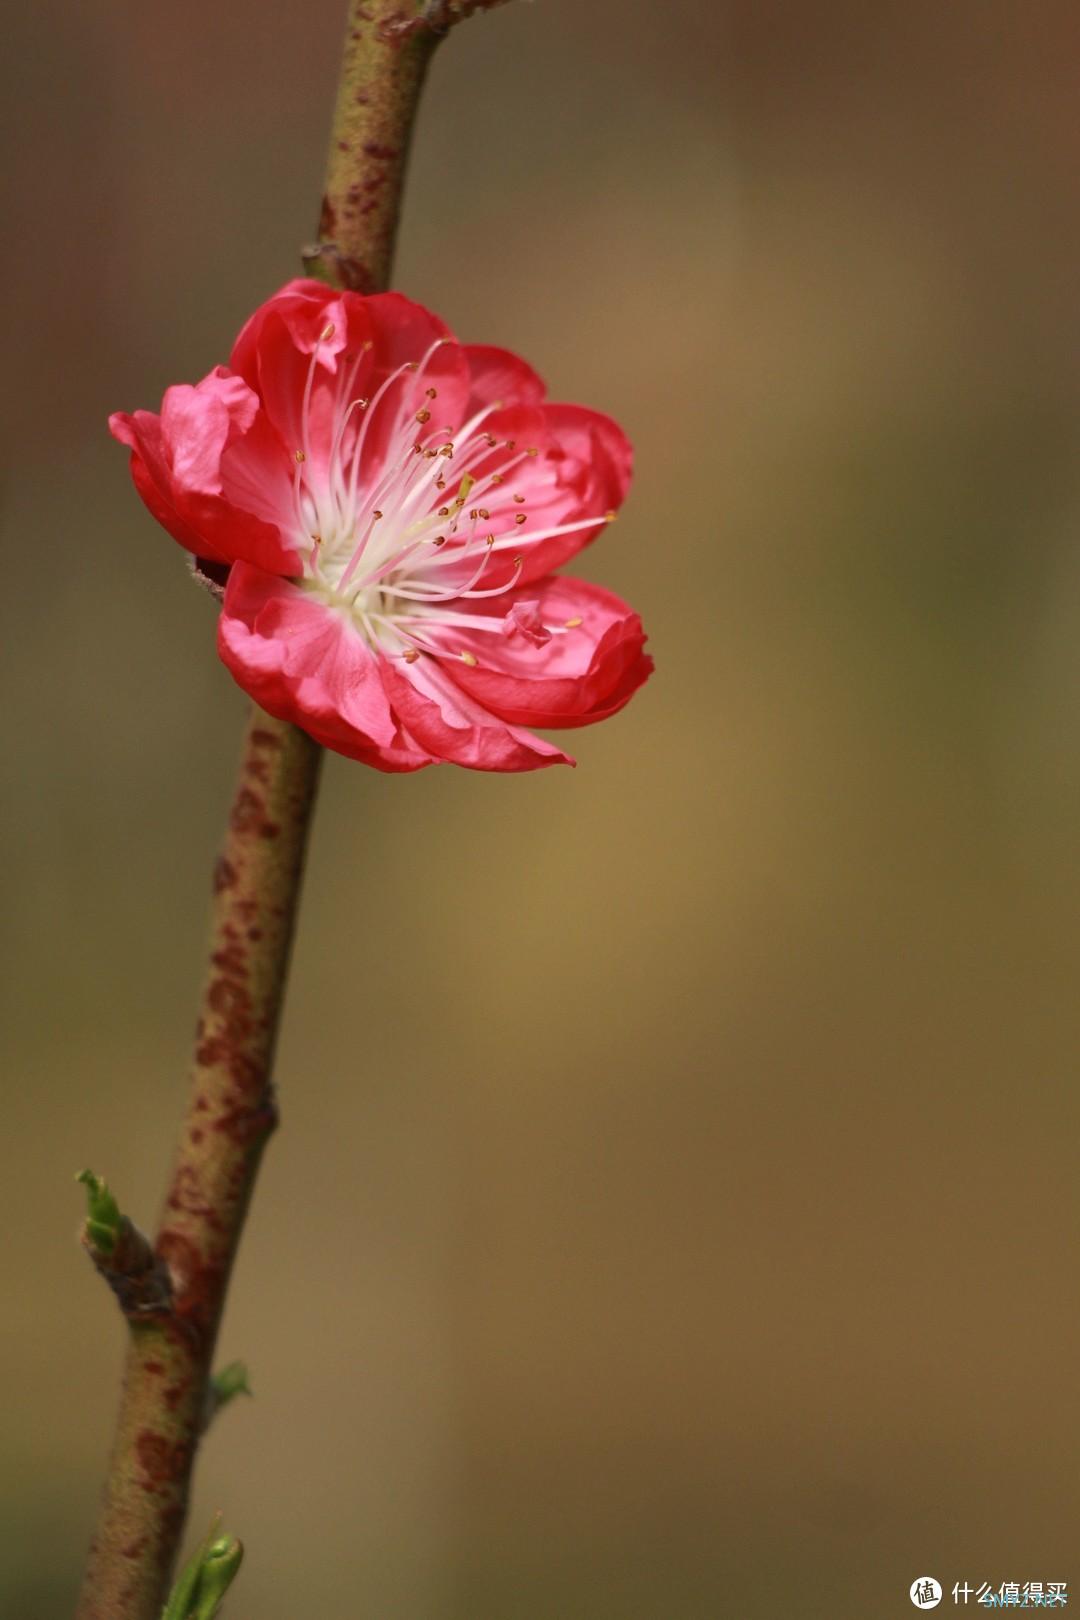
[(201, 1589), (103, 1213)]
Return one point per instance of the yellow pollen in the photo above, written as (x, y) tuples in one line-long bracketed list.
[(609, 517), (469, 658), (490, 541), (327, 333), (533, 452), (300, 456), (467, 482), (572, 624)]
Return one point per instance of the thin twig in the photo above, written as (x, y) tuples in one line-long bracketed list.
[(231, 1112)]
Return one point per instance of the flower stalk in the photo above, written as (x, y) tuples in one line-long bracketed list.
[(230, 1115), (173, 1290)]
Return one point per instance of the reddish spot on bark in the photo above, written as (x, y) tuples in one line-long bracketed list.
[(134, 1548), (243, 1124), (255, 933), (186, 1195), (231, 1000), (195, 1284), (231, 959), (327, 227), (175, 1393), (269, 829), (196, 1134), (224, 874), (247, 812), (343, 146), (155, 1456), (154, 1367), (202, 1104), (375, 150)]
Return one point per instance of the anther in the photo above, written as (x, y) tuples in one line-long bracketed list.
[(444, 511), (327, 333), (411, 654), (413, 365), (572, 624), (497, 478), (609, 517), (423, 416), (533, 451), (376, 514), (519, 517), (468, 658), (432, 393), (300, 456), (520, 499), (439, 540)]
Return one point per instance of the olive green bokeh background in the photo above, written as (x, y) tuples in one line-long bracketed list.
[(675, 1210)]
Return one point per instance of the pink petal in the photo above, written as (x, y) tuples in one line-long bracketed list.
[(496, 374), (592, 665), (306, 662), (453, 726)]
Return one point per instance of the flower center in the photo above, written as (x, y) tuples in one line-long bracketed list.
[(399, 519)]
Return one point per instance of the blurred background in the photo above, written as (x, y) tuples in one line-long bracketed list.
[(675, 1212)]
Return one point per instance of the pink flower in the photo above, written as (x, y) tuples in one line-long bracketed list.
[(390, 506)]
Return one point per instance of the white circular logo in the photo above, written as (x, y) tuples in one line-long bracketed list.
[(925, 1592)]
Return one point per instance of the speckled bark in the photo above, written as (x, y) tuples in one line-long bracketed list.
[(386, 54), (230, 1114), (256, 889)]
